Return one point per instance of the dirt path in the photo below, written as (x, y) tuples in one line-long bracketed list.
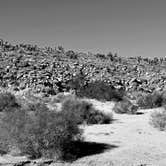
[(135, 142)]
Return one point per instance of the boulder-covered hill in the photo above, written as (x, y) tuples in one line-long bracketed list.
[(49, 70)]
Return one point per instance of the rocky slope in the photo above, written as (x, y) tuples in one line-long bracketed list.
[(50, 70)]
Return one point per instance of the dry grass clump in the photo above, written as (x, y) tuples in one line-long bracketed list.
[(85, 112), (158, 120), (125, 107)]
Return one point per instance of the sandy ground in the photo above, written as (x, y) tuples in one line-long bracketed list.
[(129, 141)]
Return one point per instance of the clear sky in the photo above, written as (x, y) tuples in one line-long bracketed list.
[(128, 27)]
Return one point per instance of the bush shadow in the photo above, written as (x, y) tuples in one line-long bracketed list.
[(139, 113), (82, 149)]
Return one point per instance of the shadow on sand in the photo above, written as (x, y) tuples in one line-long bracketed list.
[(82, 149), (139, 113)]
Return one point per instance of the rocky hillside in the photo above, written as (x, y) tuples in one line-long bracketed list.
[(50, 70)]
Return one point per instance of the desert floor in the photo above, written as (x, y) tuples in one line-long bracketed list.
[(129, 141)]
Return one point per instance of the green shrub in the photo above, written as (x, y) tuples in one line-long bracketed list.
[(40, 132), (97, 117), (125, 106), (158, 120), (101, 91), (71, 54), (98, 89), (84, 112), (7, 100), (31, 102), (153, 100), (77, 82), (60, 97), (33, 106), (164, 98), (101, 56), (4, 144)]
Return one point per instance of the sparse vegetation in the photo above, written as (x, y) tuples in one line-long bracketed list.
[(164, 99), (85, 112), (40, 132), (101, 91), (7, 100), (156, 99), (125, 106), (158, 120), (4, 143), (37, 131), (60, 97), (102, 56), (71, 54)]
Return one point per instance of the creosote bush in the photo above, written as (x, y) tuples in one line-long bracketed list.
[(101, 91), (7, 100), (98, 89), (85, 112), (4, 137), (164, 99), (60, 97), (71, 54), (158, 120), (125, 106), (40, 132), (154, 100)]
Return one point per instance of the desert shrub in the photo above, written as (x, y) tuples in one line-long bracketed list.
[(71, 54), (101, 91), (150, 100), (101, 56), (60, 97), (85, 112), (110, 56), (158, 120), (97, 117), (7, 100), (125, 106), (33, 106), (77, 82), (31, 102), (41, 132), (4, 144), (164, 98)]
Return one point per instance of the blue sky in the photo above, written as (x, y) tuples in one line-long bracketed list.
[(128, 27)]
